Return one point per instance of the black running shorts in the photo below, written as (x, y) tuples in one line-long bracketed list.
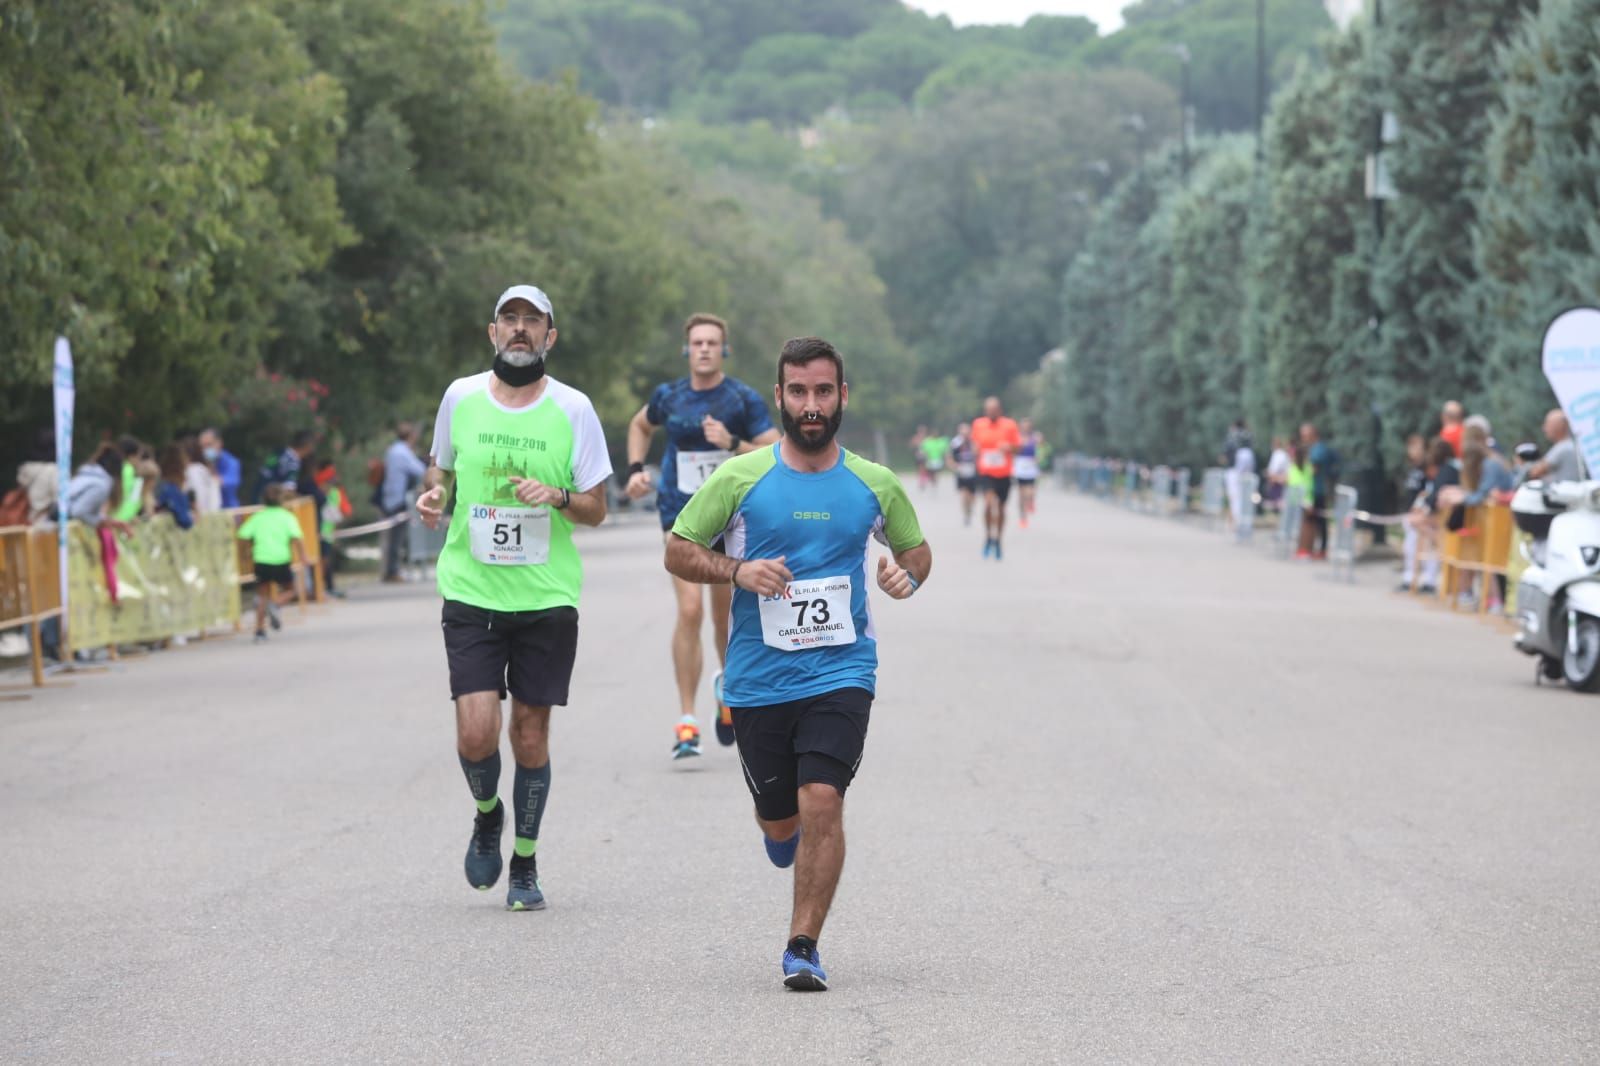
[(967, 484), (527, 653), (1000, 486), (817, 740), (278, 573), (1026, 482)]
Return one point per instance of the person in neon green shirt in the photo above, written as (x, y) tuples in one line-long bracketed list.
[(527, 460), (275, 543), (934, 449)]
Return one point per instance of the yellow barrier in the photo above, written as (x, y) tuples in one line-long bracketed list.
[(30, 587), (170, 581), (1484, 545)]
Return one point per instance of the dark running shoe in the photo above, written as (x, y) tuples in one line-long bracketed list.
[(483, 850), (802, 969), (522, 892), (725, 735)]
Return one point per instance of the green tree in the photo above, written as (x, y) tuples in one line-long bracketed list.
[(1537, 244), (1439, 79), (1210, 275), (1311, 250), (972, 211)]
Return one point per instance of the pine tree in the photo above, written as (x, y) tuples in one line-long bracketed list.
[(1438, 65), (1538, 239)]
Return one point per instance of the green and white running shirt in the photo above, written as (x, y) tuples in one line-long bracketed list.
[(500, 554)]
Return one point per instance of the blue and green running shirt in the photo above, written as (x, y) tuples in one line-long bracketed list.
[(818, 637), (500, 554), (690, 458)]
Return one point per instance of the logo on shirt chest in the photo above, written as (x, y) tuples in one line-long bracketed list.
[(813, 516)]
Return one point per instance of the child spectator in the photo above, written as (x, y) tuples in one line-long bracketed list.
[(275, 543), (170, 497), (335, 509)]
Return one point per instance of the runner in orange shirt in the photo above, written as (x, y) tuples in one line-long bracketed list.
[(996, 439)]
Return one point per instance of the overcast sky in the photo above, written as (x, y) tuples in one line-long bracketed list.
[(1107, 13)]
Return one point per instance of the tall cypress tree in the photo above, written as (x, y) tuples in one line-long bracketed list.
[(1438, 59), (1538, 233)]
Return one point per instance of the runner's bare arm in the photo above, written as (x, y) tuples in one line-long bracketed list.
[(914, 563), (718, 434), (583, 508), (639, 433), (691, 562), (436, 490)]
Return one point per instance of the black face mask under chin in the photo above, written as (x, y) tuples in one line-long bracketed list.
[(518, 376)]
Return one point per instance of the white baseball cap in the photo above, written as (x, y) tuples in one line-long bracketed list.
[(530, 293)]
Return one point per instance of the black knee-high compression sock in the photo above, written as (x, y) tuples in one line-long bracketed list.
[(529, 790), (483, 778)]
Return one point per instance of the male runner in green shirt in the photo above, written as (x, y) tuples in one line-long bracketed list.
[(527, 460)]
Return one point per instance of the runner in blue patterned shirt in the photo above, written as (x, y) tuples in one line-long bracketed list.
[(709, 418)]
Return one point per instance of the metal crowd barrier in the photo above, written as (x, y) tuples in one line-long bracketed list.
[(1245, 519), (1342, 534), (1287, 536), (1160, 489), (1180, 494), (1213, 494)]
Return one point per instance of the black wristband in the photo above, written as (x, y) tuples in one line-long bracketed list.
[(635, 468), (566, 500), (734, 442), (733, 578)]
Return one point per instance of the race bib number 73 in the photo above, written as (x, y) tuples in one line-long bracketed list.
[(509, 536), (809, 614)]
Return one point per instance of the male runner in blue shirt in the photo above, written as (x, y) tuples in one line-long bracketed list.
[(796, 520), (709, 417)]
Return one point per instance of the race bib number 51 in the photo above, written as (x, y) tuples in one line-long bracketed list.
[(809, 614), (509, 536)]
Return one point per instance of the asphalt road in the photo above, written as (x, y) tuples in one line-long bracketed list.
[(1133, 795)]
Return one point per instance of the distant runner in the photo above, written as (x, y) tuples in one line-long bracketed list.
[(1025, 467), (996, 439), (965, 458), (934, 449)]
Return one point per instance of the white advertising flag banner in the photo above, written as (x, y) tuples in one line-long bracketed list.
[(1572, 366), (66, 395)]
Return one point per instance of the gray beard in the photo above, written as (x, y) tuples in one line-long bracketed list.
[(522, 356)]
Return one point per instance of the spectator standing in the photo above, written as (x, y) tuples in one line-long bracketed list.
[(335, 509), (1277, 471), (225, 463), (1561, 462), (1450, 425), (200, 478), (1411, 491), (38, 478), (170, 495), (402, 471), (1324, 462), (1239, 460), (135, 475)]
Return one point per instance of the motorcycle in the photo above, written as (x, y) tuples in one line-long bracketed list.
[(1558, 597)]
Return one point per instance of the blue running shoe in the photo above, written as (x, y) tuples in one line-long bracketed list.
[(988, 546), (687, 742), (725, 735), (802, 967), (997, 551), (483, 863), (523, 893), (781, 852)]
